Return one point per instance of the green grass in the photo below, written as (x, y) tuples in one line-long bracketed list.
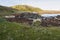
[(16, 31)]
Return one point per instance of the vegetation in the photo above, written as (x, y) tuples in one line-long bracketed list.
[(18, 8), (18, 31), (34, 9), (6, 10), (26, 8)]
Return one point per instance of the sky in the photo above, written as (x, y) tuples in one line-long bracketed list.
[(43, 4)]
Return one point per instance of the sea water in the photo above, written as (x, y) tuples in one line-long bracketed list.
[(47, 15)]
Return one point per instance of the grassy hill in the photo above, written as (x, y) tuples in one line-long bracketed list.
[(26, 8), (33, 9), (18, 8), (6, 10)]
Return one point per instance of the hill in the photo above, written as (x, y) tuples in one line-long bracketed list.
[(33, 9), (26, 8), (6, 10), (18, 8)]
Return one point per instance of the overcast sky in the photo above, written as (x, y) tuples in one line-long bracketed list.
[(43, 4)]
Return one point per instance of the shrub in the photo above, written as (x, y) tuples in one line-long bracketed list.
[(17, 31), (37, 23)]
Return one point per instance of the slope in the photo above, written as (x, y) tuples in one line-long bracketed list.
[(26, 8), (6, 10)]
